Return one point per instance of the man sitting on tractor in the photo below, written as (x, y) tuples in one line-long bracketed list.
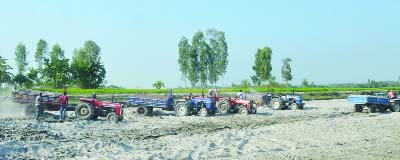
[(240, 95), (390, 94)]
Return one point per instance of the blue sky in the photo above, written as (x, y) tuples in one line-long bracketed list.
[(329, 41)]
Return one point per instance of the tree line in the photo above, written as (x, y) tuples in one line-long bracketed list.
[(205, 61), (53, 69)]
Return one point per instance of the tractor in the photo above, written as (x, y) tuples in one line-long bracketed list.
[(91, 109), (203, 106), (233, 105), (281, 102)]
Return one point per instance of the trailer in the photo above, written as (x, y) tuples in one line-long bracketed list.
[(373, 103), (145, 104)]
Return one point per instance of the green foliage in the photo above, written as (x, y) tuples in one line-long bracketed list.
[(184, 54), (262, 64), (245, 84), (41, 53), (32, 76), (87, 69), (286, 70), (206, 59), (5, 75), (20, 58), (20, 79), (305, 83), (159, 84), (57, 70)]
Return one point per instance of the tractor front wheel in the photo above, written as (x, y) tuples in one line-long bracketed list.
[(253, 110), (203, 112), (84, 111), (112, 117), (372, 109), (243, 111), (294, 106)]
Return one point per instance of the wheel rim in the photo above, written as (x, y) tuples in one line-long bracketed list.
[(276, 104), (223, 107), (84, 111), (141, 110), (203, 112), (181, 110), (293, 107), (243, 111)]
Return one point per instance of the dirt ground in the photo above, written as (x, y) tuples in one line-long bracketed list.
[(323, 130)]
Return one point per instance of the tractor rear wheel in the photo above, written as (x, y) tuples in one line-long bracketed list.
[(143, 110), (395, 108), (84, 111), (181, 109), (243, 111), (223, 106), (203, 112), (276, 104), (30, 110), (112, 117), (294, 106)]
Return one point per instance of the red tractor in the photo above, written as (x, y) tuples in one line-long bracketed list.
[(91, 109), (233, 105)]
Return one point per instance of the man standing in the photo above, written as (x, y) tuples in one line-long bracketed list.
[(38, 108), (63, 106), (240, 95)]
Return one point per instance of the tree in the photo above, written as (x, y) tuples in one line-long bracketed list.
[(5, 75), (305, 83), (20, 79), (218, 55), (86, 67), (159, 84), (56, 69), (256, 81), (20, 53), (41, 53), (245, 83), (262, 64), (32, 76), (184, 54), (206, 59), (286, 70)]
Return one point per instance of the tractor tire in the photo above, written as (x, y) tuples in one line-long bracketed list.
[(276, 104), (294, 106), (181, 109), (395, 108), (84, 111), (253, 110), (243, 111), (95, 117), (143, 110), (120, 118), (382, 109), (203, 112), (30, 110), (112, 117), (358, 108), (223, 106), (372, 108)]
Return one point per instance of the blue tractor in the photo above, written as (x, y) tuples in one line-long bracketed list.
[(145, 104), (280, 102), (203, 106)]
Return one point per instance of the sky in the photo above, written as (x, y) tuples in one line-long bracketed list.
[(332, 41)]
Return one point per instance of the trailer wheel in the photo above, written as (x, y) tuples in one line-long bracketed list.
[(30, 110), (382, 109), (358, 108), (395, 108), (372, 109), (142, 110)]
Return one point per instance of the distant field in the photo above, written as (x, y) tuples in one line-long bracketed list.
[(77, 91)]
